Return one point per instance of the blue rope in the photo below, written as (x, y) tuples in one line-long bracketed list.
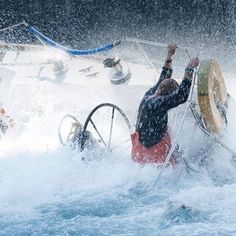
[(52, 43)]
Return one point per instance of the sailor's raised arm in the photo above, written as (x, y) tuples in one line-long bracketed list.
[(166, 70), (181, 95), (193, 63), (171, 48)]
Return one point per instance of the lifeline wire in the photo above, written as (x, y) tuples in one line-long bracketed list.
[(216, 139), (156, 44)]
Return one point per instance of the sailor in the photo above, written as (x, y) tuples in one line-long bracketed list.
[(151, 141)]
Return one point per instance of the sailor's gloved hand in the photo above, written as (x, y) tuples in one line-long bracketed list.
[(189, 70), (194, 62), (171, 49)]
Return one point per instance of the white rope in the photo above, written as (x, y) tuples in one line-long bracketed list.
[(134, 40), (13, 26), (28, 64), (149, 61)]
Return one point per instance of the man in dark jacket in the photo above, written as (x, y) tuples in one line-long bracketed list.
[(151, 141)]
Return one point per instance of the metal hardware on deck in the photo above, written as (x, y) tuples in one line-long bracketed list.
[(117, 76)]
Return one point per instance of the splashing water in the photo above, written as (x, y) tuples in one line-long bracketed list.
[(47, 189)]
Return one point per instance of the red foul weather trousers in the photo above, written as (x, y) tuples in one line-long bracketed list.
[(154, 154)]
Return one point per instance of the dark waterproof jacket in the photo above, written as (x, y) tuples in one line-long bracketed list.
[(152, 114)]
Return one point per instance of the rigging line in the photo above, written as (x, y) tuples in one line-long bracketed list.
[(178, 133), (154, 43), (188, 53), (148, 59), (13, 26), (184, 155), (213, 136), (189, 166), (26, 64)]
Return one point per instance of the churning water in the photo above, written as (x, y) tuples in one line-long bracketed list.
[(46, 189)]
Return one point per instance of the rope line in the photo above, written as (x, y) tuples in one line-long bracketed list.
[(44, 39), (49, 42), (13, 26)]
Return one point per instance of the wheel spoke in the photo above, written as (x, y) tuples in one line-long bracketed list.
[(100, 136), (108, 144), (111, 127)]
